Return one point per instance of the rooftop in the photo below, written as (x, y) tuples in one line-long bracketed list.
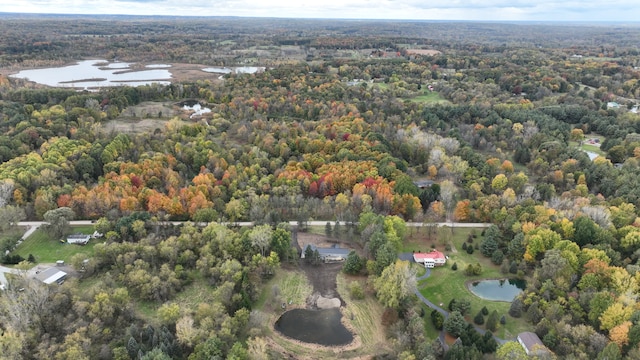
[(335, 249), (78, 236), (50, 275), (531, 343), (435, 254)]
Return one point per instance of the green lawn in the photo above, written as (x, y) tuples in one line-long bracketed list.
[(197, 292), (381, 85), (49, 250), (430, 331), (430, 97), (593, 148), (588, 147), (445, 284), (425, 238)]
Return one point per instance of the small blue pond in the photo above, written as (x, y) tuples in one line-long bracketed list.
[(497, 290), (314, 326)]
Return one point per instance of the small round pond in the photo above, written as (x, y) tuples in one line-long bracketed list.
[(321, 327), (497, 290)]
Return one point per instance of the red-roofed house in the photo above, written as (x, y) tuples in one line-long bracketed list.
[(430, 259)]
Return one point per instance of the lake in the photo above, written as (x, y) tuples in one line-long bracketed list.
[(497, 290), (97, 73), (323, 327)]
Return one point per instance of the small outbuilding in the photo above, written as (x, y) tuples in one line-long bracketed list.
[(423, 184), (51, 275), (430, 259), (532, 344)]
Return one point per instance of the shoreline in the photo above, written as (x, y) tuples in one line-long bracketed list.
[(356, 343)]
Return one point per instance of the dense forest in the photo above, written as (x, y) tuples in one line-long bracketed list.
[(343, 125)]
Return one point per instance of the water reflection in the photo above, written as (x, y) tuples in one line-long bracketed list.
[(498, 290), (323, 327), (95, 74)]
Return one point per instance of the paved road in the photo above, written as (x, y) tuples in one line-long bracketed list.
[(293, 223), (32, 226), (3, 270)]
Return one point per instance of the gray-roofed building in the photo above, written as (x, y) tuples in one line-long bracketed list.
[(51, 275), (423, 184), (532, 344), (334, 253), (81, 239)]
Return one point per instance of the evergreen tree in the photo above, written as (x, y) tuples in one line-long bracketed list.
[(479, 318), (315, 258), (513, 267), (455, 324), (437, 319), (515, 309), (461, 305), (488, 246), (308, 254), (489, 343), (492, 321), (497, 257), (353, 264)]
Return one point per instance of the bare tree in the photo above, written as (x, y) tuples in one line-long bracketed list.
[(260, 237), (6, 192), (447, 195), (10, 216), (23, 309)]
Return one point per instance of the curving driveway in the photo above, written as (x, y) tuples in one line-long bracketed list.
[(3, 279), (409, 256)]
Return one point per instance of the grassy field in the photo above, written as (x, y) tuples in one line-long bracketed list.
[(430, 97), (293, 285), (589, 147), (199, 291), (365, 315), (49, 250), (287, 284), (430, 331), (381, 85), (445, 284), (592, 148), (426, 238)]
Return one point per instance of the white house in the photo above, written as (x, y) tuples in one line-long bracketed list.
[(430, 259), (81, 239)]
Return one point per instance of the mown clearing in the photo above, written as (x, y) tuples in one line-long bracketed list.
[(46, 249)]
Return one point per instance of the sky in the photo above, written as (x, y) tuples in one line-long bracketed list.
[(484, 10)]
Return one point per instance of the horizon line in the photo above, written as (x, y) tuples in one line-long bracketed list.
[(178, 16)]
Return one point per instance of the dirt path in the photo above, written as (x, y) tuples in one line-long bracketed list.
[(322, 276), (323, 279)]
